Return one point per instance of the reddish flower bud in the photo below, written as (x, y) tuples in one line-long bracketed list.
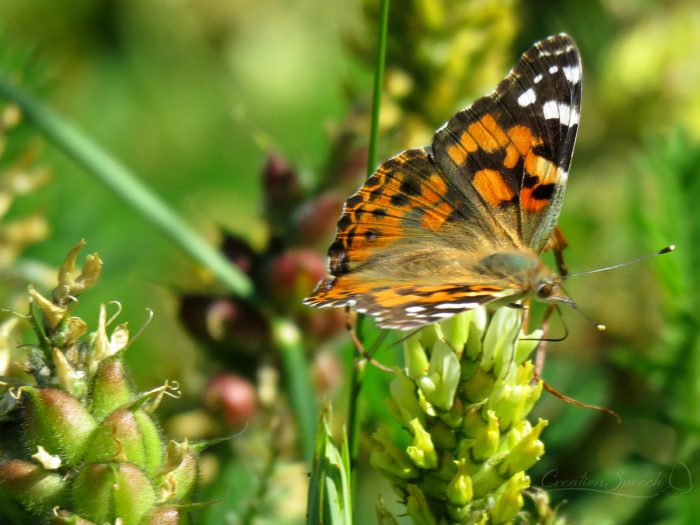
[(282, 191), (317, 220), (224, 321), (239, 253), (293, 274), (233, 396)]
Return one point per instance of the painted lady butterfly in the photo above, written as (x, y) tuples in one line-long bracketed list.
[(461, 223)]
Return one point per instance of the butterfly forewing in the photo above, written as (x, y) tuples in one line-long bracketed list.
[(511, 149)]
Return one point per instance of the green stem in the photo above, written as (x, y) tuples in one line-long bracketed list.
[(378, 84), (358, 369), (125, 184), (288, 342)]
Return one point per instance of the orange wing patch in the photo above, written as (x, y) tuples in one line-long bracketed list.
[(492, 187)]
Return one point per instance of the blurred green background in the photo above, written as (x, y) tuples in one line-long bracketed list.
[(192, 95)]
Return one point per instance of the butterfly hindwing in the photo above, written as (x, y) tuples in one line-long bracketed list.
[(511, 150)]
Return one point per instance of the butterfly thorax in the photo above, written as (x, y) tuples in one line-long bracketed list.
[(527, 272)]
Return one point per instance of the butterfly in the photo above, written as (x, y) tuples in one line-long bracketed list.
[(462, 222)]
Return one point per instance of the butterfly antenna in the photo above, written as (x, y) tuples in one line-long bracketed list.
[(667, 249), (572, 401)]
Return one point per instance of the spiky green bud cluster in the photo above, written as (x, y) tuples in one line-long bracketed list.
[(88, 449), (464, 396)]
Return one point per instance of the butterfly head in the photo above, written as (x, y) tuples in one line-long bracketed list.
[(548, 287)]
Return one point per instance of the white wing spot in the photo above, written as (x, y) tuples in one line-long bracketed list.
[(527, 98), (537, 79), (553, 69), (456, 306), (415, 309), (572, 73), (560, 111)]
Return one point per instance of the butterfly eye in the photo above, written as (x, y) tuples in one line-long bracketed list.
[(544, 290)]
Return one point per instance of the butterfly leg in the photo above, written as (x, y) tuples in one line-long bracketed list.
[(558, 243), (350, 324), (541, 352), (539, 366)]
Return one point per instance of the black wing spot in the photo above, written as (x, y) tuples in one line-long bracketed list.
[(344, 222), (400, 200), (411, 186), (543, 191)]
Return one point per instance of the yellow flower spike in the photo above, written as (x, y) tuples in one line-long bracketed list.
[(422, 452), (483, 440)]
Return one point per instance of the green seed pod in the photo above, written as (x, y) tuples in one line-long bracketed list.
[(58, 422), (110, 389), (179, 481), (107, 491), (31, 485)]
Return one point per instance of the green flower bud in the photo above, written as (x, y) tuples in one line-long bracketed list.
[(52, 314), (460, 491), (104, 347), (442, 436), (417, 507), (58, 422), (70, 379), (105, 492), (456, 332), (440, 385), (68, 331), (487, 438), (110, 389), (31, 485), (415, 357), (121, 438), (403, 393), (391, 459), (498, 342), (151, 439), (422, 452), (479, 386), (524, 454), (510, 500), (71, 281)]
